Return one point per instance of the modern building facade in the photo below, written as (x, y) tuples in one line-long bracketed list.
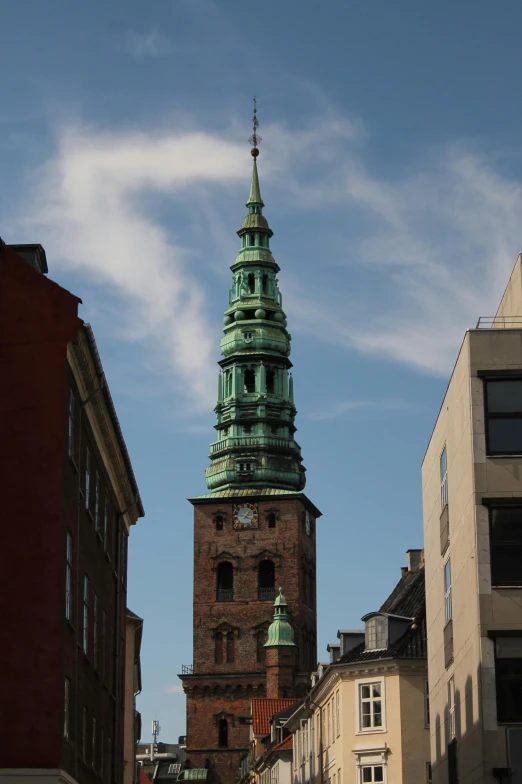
[(255, 528), (472, 500), (70, 498), (367, 717)]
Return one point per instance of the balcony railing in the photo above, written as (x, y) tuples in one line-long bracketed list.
[(187, 669), (249, 441), (225, 594), (499, 322), (267, 593)]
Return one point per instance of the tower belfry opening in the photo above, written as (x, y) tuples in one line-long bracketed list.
[(254, 528)]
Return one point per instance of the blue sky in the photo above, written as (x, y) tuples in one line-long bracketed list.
[(391, 169)]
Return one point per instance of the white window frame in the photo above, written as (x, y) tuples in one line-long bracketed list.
[(448, 605), (376, 628), (367, 757), (174, 769), (443, 464), (358, 705), (338, 712), (68, 575), (426, 704), (451, 708), (373, 765)]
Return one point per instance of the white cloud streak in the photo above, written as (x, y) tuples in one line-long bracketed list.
[(151, 44), (177, 689)]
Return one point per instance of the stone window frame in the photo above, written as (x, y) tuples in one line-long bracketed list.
[(359, 683)]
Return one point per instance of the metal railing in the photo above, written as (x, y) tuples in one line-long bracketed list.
[(233, 441), (499, 322), (187, 669), (266, 593), (224, 594)]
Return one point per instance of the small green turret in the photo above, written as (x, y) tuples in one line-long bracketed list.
[(280, 631)]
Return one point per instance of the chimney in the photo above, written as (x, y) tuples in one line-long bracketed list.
[(34, 255), (415, 559)]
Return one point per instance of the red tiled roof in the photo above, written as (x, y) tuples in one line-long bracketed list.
[(263, 708), (144, 779), (287, 743)]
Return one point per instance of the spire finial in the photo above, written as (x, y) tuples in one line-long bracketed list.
[(255, 138)]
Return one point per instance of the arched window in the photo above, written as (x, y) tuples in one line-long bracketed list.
[(230, 647), (218, 649), (223, 733), (251, 283), (271, 520), (225, 582), (270, 381), (219, 522), (264, 284), (228, 383), (260, 645), (250, 380), (266, 579), (251, 239)]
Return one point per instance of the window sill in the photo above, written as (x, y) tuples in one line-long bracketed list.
[(372, 731), (507, 586), (503, 455)]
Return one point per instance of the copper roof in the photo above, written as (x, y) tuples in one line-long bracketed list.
[(263, 708)]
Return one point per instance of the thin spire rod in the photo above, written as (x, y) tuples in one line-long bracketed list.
[(255, 138)]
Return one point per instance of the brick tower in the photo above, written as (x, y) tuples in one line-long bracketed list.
[(255, 529)]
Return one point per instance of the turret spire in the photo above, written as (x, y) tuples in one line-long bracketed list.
[(280, 631), (255, 446)]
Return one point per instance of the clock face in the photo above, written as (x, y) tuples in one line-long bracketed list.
[(308, 524), (245, 516)]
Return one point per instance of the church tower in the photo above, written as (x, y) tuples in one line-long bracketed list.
[(255, 529)]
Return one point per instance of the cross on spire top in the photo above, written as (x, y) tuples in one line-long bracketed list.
[(255, 138)]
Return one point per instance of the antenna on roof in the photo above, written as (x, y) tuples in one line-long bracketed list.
[(156, 729)]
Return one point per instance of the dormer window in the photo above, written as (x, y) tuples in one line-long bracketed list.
[(376, 633)]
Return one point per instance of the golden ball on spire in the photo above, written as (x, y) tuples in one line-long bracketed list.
[(254, 152)]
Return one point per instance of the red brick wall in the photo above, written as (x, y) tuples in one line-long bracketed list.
[(289, 547)]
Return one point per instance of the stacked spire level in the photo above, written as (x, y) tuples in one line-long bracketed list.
[(255, 446)]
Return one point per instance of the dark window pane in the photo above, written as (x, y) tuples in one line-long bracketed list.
[(508, 647), (505, 435), (509, 689), (506, 546), (505, 397)]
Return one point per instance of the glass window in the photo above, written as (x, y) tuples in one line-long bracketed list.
[(426, 704), (68, 576), (443, 479), (508, 667), (428, 773), (448, 609), (376, 633), (337, 713), (504, 416), (72, 423), (506, 545), (95, 630), (106, 508), (372, 773), (86, 604), (104, 644), (370, 705), (93, 758), (87, 478), (84, 734), (451, 708), (67, 708), (97, 501)]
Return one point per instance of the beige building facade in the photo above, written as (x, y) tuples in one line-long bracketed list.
[(367, 717), (472, 509)]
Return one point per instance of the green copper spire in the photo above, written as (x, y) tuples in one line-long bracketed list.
[(280, 631), (255, 445)]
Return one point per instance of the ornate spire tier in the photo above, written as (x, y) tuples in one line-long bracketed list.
[(255, 444)]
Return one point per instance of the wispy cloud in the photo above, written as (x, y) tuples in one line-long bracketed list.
[(177, 689), (151, 44), (344, 407)]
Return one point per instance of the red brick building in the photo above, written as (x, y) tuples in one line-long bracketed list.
[(255, 530), (69, 497)]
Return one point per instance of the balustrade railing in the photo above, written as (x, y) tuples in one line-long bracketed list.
[(224, 594), (267, 593), (233, 441)]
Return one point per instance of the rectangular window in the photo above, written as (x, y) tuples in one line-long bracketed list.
[(428, 773), (426, 704), (84, 734), (106, 509), (72, 424), (505, 529), (508, 669), (86, 605), (451, 708), (67, 708), (87, 478), (337, 713), (123, 562), (97, 501), (448, 609), (372, 773), (329, 715), (68, 576), (104, 645), (95, 630), (503, 408), (93, 759), (443, 479), (174, 769), (102, 752), (339, 776), (371, 713)]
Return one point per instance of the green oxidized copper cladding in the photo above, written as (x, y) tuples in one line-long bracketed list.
[(255, 446), (280, 631)]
